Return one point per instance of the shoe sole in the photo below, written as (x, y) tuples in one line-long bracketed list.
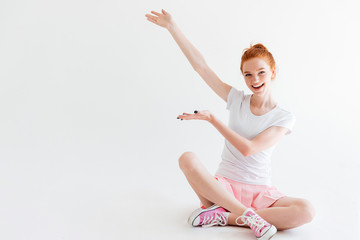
[(269, 234), (197, 212)]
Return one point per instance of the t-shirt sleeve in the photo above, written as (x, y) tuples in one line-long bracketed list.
[(234, 96), (288, 121)]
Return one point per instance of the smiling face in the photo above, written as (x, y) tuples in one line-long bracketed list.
[(258, 75)]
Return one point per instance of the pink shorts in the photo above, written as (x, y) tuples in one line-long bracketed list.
[(252, 196)]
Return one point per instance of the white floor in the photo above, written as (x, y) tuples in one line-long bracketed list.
[(93, 196)]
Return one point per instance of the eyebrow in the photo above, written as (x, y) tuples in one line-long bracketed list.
[(258, 70)]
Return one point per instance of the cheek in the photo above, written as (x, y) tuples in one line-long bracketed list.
[(248, 82), (266, 78)]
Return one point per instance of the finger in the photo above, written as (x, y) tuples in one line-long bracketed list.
[(152, 17), (152, 20), (149, 15), (156, 13), (163, 11), (185, 116)]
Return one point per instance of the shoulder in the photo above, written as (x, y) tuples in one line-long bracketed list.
[(235, 96), (236, 92), (283, 118), (284, 113)]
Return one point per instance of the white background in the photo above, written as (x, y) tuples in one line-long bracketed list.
[(90, 92)]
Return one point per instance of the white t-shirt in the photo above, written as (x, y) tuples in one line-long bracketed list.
[(253, 169)]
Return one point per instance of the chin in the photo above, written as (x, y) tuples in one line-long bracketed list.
[(258, 94)]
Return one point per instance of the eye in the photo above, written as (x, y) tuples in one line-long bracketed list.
[(262, 72), (247, 75)]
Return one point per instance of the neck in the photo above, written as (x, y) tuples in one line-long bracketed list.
[(263, 102)]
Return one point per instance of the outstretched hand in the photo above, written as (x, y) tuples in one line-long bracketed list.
[(198, 115), (163, 20)]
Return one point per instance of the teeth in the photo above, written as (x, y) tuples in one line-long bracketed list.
[(257, 86)]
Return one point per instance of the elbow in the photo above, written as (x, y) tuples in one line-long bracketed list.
[(199, 68), (247, 151)]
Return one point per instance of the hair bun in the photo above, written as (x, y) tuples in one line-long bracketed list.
[(257, 51), (259, 45)]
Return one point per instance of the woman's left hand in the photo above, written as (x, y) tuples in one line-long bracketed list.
[(198, 115)]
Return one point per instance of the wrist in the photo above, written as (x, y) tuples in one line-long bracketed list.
[(211, 118), (170, 26)]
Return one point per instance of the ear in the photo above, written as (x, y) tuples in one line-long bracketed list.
[(273, 73)]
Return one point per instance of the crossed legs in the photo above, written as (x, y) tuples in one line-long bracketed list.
[(285, 213), (206, 187)]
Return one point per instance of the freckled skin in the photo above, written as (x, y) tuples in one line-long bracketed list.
[(262, 100)]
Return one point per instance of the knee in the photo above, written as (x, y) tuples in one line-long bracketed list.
[(305, 211), (187, 161)]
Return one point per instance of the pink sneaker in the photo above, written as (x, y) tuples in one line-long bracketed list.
[(262, 229), (211, 216)]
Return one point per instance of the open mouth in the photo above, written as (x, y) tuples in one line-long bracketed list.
[(258, 86)]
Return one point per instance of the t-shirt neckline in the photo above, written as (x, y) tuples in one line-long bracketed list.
[(272, 110)]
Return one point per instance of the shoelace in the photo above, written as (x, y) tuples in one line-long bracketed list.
[(254, 222), (217, 219)]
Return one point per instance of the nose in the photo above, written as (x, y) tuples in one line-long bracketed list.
[(255, 80)]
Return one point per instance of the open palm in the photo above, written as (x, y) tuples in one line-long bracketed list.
[(200, 115), (162, 20)]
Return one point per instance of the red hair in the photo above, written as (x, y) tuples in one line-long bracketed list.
[(260, 51)]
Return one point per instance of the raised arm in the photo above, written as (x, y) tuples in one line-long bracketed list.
[(195, 58)]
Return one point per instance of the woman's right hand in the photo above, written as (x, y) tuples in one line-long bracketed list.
[(163, 20)]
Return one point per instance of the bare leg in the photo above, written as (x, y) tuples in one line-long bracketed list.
[(206, 187), (288, 212), (285, 213), (203, 200)]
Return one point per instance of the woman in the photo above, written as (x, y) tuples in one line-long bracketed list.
[(240, 193)]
